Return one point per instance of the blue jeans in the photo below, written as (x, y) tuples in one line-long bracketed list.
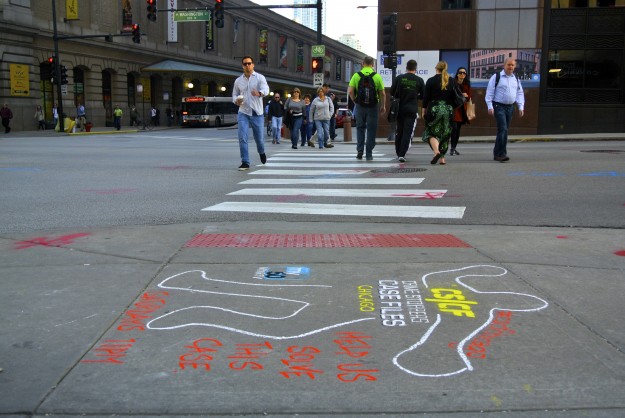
[(323, 132), (297, 124), (306, 132), (245, 123), (366, 121), (503, 116), (276, 127)]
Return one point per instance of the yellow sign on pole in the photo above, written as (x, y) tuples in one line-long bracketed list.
[(71, 9), (20, 83)]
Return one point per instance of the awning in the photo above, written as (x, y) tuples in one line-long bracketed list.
[(179, 66)]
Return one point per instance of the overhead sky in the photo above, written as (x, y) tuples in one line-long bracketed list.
[(344, 17)]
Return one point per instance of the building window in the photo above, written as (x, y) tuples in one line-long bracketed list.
[(455, 4)]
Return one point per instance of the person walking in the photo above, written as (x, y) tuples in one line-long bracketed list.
[(117, 117), (438, 102), (409, 88), (321, 110), (55, 113), (503, 91), (307, 124), (460, 114), (335, 103), (81, 116), (41, 120), (153, 115), (247, 93), (134, 116), (366, 89), (296, 107), (276, 111)]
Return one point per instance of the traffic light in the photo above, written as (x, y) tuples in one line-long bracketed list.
[(219, 13), (63, 76), (317, 65), (53, 76), (151, 10), (389, 34), (136, 33)]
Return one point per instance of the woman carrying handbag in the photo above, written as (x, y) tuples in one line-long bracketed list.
[(460, 116)]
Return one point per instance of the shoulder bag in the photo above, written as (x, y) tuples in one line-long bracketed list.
[(459, 99)]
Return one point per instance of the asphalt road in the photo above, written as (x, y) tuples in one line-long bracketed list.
[(168, 177), (135, 280)]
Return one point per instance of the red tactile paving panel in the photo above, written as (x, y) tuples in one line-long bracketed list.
[(325, 241)]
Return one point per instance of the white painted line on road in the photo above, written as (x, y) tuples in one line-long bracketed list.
[(308, 172), (324, 154), (420, 194), (326, 164), (332, 159), (446, 212), (331, 181)]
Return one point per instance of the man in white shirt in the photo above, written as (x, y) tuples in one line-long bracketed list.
[(503, 91), (247, 93)]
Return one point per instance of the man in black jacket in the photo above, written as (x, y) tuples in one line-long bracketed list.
[(409, 88), (276, 111)]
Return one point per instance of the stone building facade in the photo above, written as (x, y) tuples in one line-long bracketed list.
[(105, 72)]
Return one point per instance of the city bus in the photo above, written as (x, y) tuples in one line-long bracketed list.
[(208, 111)]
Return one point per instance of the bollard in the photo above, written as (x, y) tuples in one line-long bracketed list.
[(347, 129)]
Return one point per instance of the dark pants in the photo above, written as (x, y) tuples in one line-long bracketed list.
[(503, 116), (5, 123), (455, 133), (332, 128), (117, 121), (403, 135)]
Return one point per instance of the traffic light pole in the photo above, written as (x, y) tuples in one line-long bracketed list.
[(57, 69)]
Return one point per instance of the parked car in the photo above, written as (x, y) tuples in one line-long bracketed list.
[(342, 114)]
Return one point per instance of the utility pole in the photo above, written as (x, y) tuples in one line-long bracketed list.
[(57, 69), (319, 26)]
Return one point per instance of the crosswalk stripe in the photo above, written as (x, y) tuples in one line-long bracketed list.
[(317, 159), (414, 193), (267, 172), (333, 181), (324, 154), (326, 164), (446, 212)]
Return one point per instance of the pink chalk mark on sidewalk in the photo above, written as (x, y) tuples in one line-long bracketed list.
[(49, 242)]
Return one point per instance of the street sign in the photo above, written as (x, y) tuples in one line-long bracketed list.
[(191, 15), (64, 89), (318, 79), (318, 51)]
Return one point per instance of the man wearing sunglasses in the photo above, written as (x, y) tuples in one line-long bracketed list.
[(247, 93)]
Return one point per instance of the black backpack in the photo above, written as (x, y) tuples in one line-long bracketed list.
[(366, 90)]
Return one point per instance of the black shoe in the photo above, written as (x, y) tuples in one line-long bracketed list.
[(502, 159), (244, 166), (263, 158), (359, 155), (310, 144), (294, 146), (456, 152), (505, 158)]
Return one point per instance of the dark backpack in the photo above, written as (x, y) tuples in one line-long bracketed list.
[(366, 90)]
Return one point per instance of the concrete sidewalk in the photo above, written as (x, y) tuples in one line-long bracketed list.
[(327, 319), (340, 135)]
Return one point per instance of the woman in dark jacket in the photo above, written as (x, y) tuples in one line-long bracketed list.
[(460, 114), (438, 101)]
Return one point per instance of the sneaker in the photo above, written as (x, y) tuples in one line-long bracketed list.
[(402, 160), (359, 155), (263, 158), (244, 166)]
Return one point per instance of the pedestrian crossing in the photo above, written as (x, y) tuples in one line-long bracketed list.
[(289, 176)]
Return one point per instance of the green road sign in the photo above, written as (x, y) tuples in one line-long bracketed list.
[(191, 15), (318, 51)]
